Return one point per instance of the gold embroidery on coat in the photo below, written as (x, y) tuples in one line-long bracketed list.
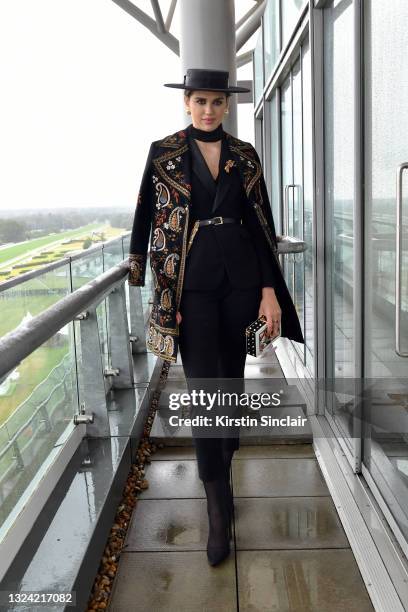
[(248, 157), (163, 195), (161, 343), (166, 175), (136, 267), (175, 219), (264, 225), (152, 335), (170, 264), (169, 346), (193, 233), (165, 299), (182, 262), (159, 240)]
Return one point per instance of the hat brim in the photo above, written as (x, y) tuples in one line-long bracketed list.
[(226, 90)]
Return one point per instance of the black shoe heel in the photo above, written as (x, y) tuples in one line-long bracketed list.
[(218, 546), (217, 554)]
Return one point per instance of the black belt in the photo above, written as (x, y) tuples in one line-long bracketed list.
[(218, 221)]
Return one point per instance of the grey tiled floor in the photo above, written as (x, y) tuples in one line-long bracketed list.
[(289, 553)]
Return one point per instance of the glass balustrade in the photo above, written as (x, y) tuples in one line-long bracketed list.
[(39, 397), (38, 400)]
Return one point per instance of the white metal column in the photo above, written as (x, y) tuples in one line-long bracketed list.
[(208, 41)]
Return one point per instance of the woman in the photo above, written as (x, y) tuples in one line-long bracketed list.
[(214, 264)]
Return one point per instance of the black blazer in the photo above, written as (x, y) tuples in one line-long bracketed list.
[(239, 249)]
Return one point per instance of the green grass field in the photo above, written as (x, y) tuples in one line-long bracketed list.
[(33, 370), (14, 309), (25, 247)]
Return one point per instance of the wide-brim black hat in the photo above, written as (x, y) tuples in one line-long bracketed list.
[(207, 80)]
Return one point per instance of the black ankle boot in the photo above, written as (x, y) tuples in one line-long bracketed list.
[(218, 547)]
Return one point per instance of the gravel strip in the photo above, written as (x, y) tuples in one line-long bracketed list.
[(135, 483)]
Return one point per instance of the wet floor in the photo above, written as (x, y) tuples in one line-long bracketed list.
[(289, 552)]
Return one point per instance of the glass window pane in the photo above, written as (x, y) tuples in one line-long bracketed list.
[(258, 69), (297, 150), (287, 171), (287, 165), (271, 36), (290, 14), (275, 187), (308, 205), (297, 211), (386, 148), (339, 150)]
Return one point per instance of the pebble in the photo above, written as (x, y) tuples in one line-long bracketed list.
[(136, 482)]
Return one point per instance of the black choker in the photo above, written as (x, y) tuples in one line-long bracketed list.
[(212, 136)]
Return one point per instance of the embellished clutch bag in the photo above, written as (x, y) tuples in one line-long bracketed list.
[(257, 338)]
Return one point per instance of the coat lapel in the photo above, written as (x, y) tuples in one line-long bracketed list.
[(243, 156), (173, 166)]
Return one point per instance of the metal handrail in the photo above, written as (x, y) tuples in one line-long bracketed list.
[(22, 341)]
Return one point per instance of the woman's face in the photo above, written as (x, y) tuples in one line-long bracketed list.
[(207, 109)]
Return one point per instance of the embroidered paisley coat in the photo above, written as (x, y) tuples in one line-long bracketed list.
[(162, 212)]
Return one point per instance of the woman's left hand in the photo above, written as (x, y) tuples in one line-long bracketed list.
[(270, 309)]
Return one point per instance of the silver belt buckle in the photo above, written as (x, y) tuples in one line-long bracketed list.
[(218, 220)]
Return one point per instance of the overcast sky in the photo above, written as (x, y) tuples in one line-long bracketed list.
[(82, 98)]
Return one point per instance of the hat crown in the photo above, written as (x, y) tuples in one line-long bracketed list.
[(203, 77)]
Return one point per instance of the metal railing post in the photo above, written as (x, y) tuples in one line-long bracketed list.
[(92, 378), (137, 326), (17, 456), (45, 418), (120, 350)]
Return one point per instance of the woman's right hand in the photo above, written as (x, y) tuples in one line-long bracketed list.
[(178, 318)]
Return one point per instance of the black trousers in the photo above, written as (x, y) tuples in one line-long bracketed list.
[(212, 345)]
